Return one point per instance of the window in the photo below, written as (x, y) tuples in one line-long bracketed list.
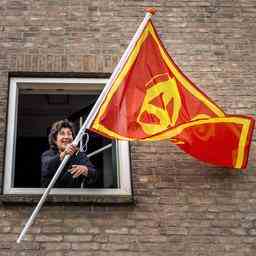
[(33, 105)]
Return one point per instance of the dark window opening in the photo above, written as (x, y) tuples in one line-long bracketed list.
[(36, 113)]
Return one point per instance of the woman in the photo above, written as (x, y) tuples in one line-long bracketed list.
[(78, 172)]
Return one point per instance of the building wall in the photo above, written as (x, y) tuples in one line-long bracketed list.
[(182, 207)]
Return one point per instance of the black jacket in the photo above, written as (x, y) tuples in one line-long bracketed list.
[(50, 161)]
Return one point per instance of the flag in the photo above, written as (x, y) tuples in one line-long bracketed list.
[(151, 99)]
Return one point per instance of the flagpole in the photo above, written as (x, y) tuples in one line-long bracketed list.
[(91, 116)]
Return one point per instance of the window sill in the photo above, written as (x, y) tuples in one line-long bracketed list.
[(67, 199)]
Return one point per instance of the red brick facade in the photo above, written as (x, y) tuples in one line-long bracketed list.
[(182, 207)]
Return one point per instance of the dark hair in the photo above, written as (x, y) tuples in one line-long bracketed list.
[(56, 127)]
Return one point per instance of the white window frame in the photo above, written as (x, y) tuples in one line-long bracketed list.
[(45, 85)]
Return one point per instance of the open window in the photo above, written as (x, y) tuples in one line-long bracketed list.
[(34, 104)]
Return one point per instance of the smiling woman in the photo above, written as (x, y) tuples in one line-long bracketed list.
[(78, 172)]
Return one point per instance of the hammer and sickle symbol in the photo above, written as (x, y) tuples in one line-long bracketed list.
[(161, 106)]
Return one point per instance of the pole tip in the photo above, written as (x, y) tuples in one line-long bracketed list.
[(151, 10)]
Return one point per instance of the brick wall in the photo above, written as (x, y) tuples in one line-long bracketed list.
[(183, 207)]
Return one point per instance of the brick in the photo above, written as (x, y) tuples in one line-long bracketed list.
[(85, 246), (78, 253), (117, 231), (101, 238), (48, 238), (115, 247), (252, 232), (28, 253), (54, 253), (26, 245), (176, 231), (56, 246), (55, 229), (122, 239), (8, 237), (77, 238), (153, 239), (81, 230)]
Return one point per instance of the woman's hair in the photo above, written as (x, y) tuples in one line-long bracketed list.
[(56, 127)]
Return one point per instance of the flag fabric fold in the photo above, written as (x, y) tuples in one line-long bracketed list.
[(152, 99), (222, 141)]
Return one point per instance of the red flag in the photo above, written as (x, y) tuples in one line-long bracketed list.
[(151, 99)]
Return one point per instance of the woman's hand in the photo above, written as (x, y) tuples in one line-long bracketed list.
[(69, 150), (78, 170)]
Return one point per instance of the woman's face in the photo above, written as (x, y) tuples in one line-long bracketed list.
[(64, 137)]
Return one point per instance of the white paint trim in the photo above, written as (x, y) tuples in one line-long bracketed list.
[(11, 136), (73, 191)]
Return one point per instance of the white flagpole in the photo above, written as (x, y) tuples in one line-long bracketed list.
[(91, 116)]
